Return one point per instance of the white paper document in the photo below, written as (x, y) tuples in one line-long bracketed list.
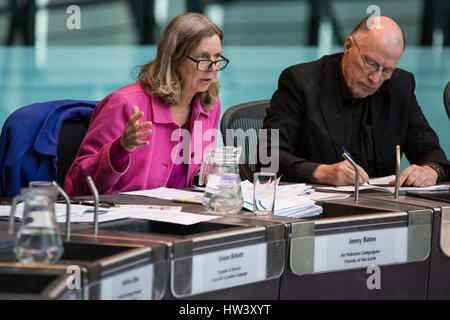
[(322, 196), (352, 188), (86, 213), (183, 218), (80, 214), (382, 180), (167, 193), (77, 212), (374, 184)]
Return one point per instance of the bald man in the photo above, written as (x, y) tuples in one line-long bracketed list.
[(357, 101)]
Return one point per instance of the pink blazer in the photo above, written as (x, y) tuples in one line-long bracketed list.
[(149, 166)]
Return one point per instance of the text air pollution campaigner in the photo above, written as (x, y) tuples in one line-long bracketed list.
[(153, 133), (356, 100)]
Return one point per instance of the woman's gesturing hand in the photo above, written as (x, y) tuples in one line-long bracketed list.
[(132, 133)]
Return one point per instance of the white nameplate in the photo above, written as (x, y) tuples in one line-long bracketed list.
[(229, 268), (360, 249), (135, 284)]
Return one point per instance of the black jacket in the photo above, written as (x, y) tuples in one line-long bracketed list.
[(307, 109)]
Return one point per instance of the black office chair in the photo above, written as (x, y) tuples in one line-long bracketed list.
[(70, 137), (447, 99), (245, 116)]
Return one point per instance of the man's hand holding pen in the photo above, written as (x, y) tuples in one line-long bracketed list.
[(343, 173), (338, 174)]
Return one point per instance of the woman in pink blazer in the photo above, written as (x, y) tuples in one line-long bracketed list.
[(153, 133)]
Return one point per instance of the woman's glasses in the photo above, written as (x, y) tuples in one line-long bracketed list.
[(205, 64)]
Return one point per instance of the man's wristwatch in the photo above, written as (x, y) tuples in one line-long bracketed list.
[(436, 168)]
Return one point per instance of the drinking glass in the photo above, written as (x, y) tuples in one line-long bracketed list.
[(264, 191)]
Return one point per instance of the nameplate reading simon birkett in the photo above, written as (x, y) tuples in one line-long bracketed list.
[(228, 268)]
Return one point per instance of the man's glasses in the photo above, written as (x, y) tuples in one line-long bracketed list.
[(371, 66), (205, 65)]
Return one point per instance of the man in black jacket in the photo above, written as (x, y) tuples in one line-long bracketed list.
[(357, 101)]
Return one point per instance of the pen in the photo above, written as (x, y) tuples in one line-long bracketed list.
[(102, 203), (198, 189), (187, 200), (344, 149), (92, 211)]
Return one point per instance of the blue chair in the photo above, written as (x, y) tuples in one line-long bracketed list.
[(30, 142)]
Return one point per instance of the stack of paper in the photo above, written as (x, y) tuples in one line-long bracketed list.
[(290, 200)]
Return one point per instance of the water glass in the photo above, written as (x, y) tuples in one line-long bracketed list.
[(264, 191)]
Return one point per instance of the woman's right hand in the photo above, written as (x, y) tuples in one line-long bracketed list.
[(131, 135)]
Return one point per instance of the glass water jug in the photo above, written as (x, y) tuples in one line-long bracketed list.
[(38, 239), (220, 171)]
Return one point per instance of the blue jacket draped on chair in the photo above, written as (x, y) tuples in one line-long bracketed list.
[(29, 141)]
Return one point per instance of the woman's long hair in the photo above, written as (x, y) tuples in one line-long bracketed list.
[(161, 77)]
